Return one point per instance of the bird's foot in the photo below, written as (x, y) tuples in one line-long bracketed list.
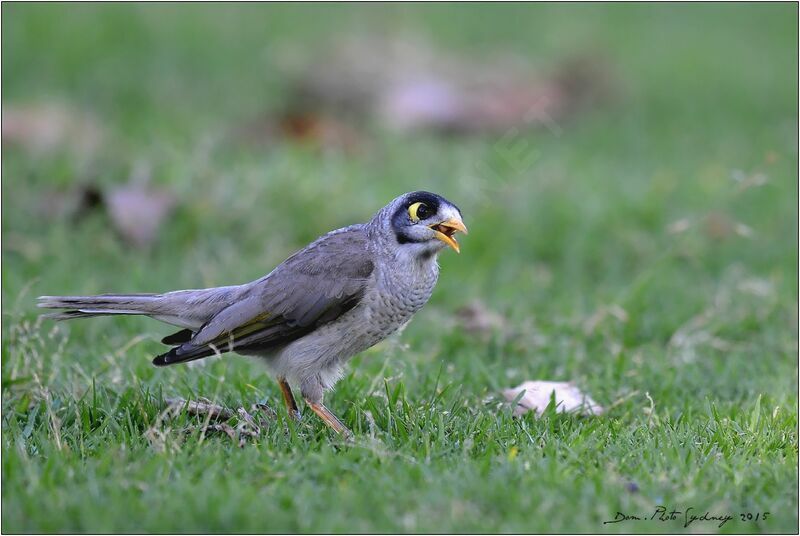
[(330, 419)]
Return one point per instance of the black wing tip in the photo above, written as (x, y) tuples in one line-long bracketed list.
[(165, 359), (182, 336), (182, 354)]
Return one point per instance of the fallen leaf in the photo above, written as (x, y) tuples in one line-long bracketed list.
[(719, 226), (312, 129), (49, 126), (679, 226), (251, 424), (138, 210), (72, 203), (591, 323), (536, 397), (225, 428), (407, 85), (476, 317), (202, 408)]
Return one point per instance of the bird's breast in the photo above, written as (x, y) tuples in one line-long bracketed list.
[(391, 299), (395, 297)]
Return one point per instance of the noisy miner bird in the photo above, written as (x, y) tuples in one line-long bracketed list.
[(338, 296)]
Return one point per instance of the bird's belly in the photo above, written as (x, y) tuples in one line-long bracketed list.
[(382, 311), (384, 314)]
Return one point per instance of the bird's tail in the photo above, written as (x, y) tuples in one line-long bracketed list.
[(189, 308), (104, 304)]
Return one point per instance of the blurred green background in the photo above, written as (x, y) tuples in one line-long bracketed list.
[(644, 246)]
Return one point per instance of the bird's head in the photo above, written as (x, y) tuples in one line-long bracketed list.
[(424, 222)]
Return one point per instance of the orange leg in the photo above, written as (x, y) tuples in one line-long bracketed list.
[(330, 419), (288, 399)]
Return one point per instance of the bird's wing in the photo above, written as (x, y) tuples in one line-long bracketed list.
[(314, 286)]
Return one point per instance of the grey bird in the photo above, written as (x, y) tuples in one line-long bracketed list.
[(338, 296)]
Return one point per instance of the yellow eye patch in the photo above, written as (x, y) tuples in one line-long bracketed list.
[(418, 210)]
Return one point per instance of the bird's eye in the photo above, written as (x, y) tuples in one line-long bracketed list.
[(418, 211)]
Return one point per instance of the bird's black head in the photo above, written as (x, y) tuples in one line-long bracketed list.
[(426, 222)]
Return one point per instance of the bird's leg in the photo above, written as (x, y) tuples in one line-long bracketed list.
[(288, 399), (329, 418), (311, 388)]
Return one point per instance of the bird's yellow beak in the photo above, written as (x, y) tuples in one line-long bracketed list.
[(444, 231)]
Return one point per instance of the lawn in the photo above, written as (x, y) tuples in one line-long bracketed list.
[(646, 250)]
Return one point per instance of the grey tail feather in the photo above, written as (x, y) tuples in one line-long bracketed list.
[(104, 304), (69, 315)]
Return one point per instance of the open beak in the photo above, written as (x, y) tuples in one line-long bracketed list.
[(444, 231)]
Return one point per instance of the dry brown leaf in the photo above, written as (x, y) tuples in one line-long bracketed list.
[(312, 129), (203, 407), (477, 318), (406, 85), (137, 211), (719, 226), (49, 126), (251, 424), (73, 203)]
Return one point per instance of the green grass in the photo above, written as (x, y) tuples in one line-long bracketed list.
[(700, 378)]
